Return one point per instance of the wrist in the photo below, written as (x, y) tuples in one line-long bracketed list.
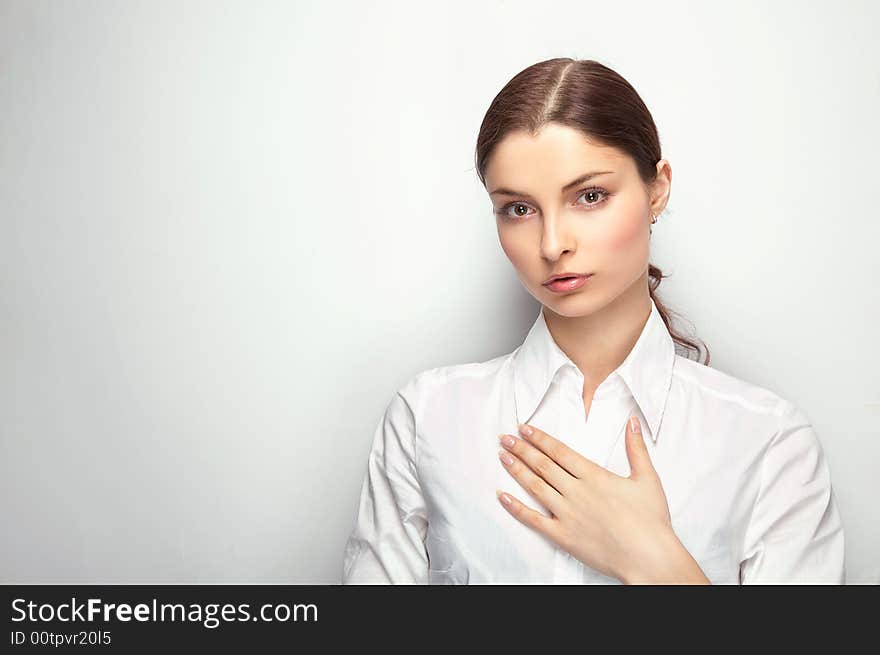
[(664, 562)]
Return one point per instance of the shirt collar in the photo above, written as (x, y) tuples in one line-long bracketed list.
[(646, 372)]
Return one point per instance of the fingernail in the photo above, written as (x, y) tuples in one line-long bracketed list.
[(503, 496), (634, 424), (507, 440), (525, 430)]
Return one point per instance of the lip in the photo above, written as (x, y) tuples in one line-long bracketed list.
[(565, 274), (573, 281)]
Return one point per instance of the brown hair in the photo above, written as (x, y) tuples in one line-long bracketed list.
[(597, 101)]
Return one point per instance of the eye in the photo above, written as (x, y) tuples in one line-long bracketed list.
[(504, 210), (592, 192)]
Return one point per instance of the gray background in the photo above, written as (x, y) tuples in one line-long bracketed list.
[(229, 231)]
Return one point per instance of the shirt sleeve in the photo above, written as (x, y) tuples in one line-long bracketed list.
[(795, 535), (387, 544)]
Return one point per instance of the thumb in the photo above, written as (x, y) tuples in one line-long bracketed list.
[(636, 449)]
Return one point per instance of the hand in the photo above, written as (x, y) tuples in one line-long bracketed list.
[(619, 526)]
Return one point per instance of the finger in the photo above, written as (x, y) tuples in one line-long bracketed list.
[(637, 450), (537, 487), (534, 519), (540, 463), (569, 459)]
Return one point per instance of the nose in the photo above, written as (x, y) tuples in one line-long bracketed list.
[(556, 237)]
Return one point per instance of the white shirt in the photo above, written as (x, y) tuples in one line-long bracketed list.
[(745, 476)]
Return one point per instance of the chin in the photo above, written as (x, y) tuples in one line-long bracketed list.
[(571, 305)]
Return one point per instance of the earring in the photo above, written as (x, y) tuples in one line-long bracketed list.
[(653, 220)]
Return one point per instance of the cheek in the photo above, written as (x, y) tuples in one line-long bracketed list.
[(518, 249), (626, 234)]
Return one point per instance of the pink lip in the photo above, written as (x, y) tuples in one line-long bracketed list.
[(568, 284)]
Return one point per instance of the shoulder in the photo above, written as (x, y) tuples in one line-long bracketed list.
[(726, 391), (453, 382), (778, 428)]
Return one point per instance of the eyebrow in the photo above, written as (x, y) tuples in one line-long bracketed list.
[(573, 183)]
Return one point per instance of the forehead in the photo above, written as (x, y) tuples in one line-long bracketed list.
[(557, 154)]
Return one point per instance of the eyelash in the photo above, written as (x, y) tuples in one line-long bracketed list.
[(605, 195)]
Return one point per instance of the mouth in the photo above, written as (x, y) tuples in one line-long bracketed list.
[(563, 278), (567, 283)]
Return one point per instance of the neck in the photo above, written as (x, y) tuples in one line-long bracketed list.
[(598, 342)]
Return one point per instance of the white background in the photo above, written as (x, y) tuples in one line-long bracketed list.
[(229, 231)]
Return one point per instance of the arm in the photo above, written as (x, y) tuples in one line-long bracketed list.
[(386, 545), (671, 564), (795, 535)]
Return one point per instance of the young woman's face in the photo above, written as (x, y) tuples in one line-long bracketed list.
[(551, 221)]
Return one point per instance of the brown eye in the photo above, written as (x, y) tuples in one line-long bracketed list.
[(506, 212), (597, 194)]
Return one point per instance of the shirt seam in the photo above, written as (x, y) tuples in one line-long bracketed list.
[(450, 373), (758, 409), (415, 434), (779, 415)]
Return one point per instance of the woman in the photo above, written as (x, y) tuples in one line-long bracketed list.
[(643, 465)]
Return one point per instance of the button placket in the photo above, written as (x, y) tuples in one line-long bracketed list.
[(567, 569)]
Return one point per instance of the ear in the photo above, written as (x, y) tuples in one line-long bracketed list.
[(661, 187)]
